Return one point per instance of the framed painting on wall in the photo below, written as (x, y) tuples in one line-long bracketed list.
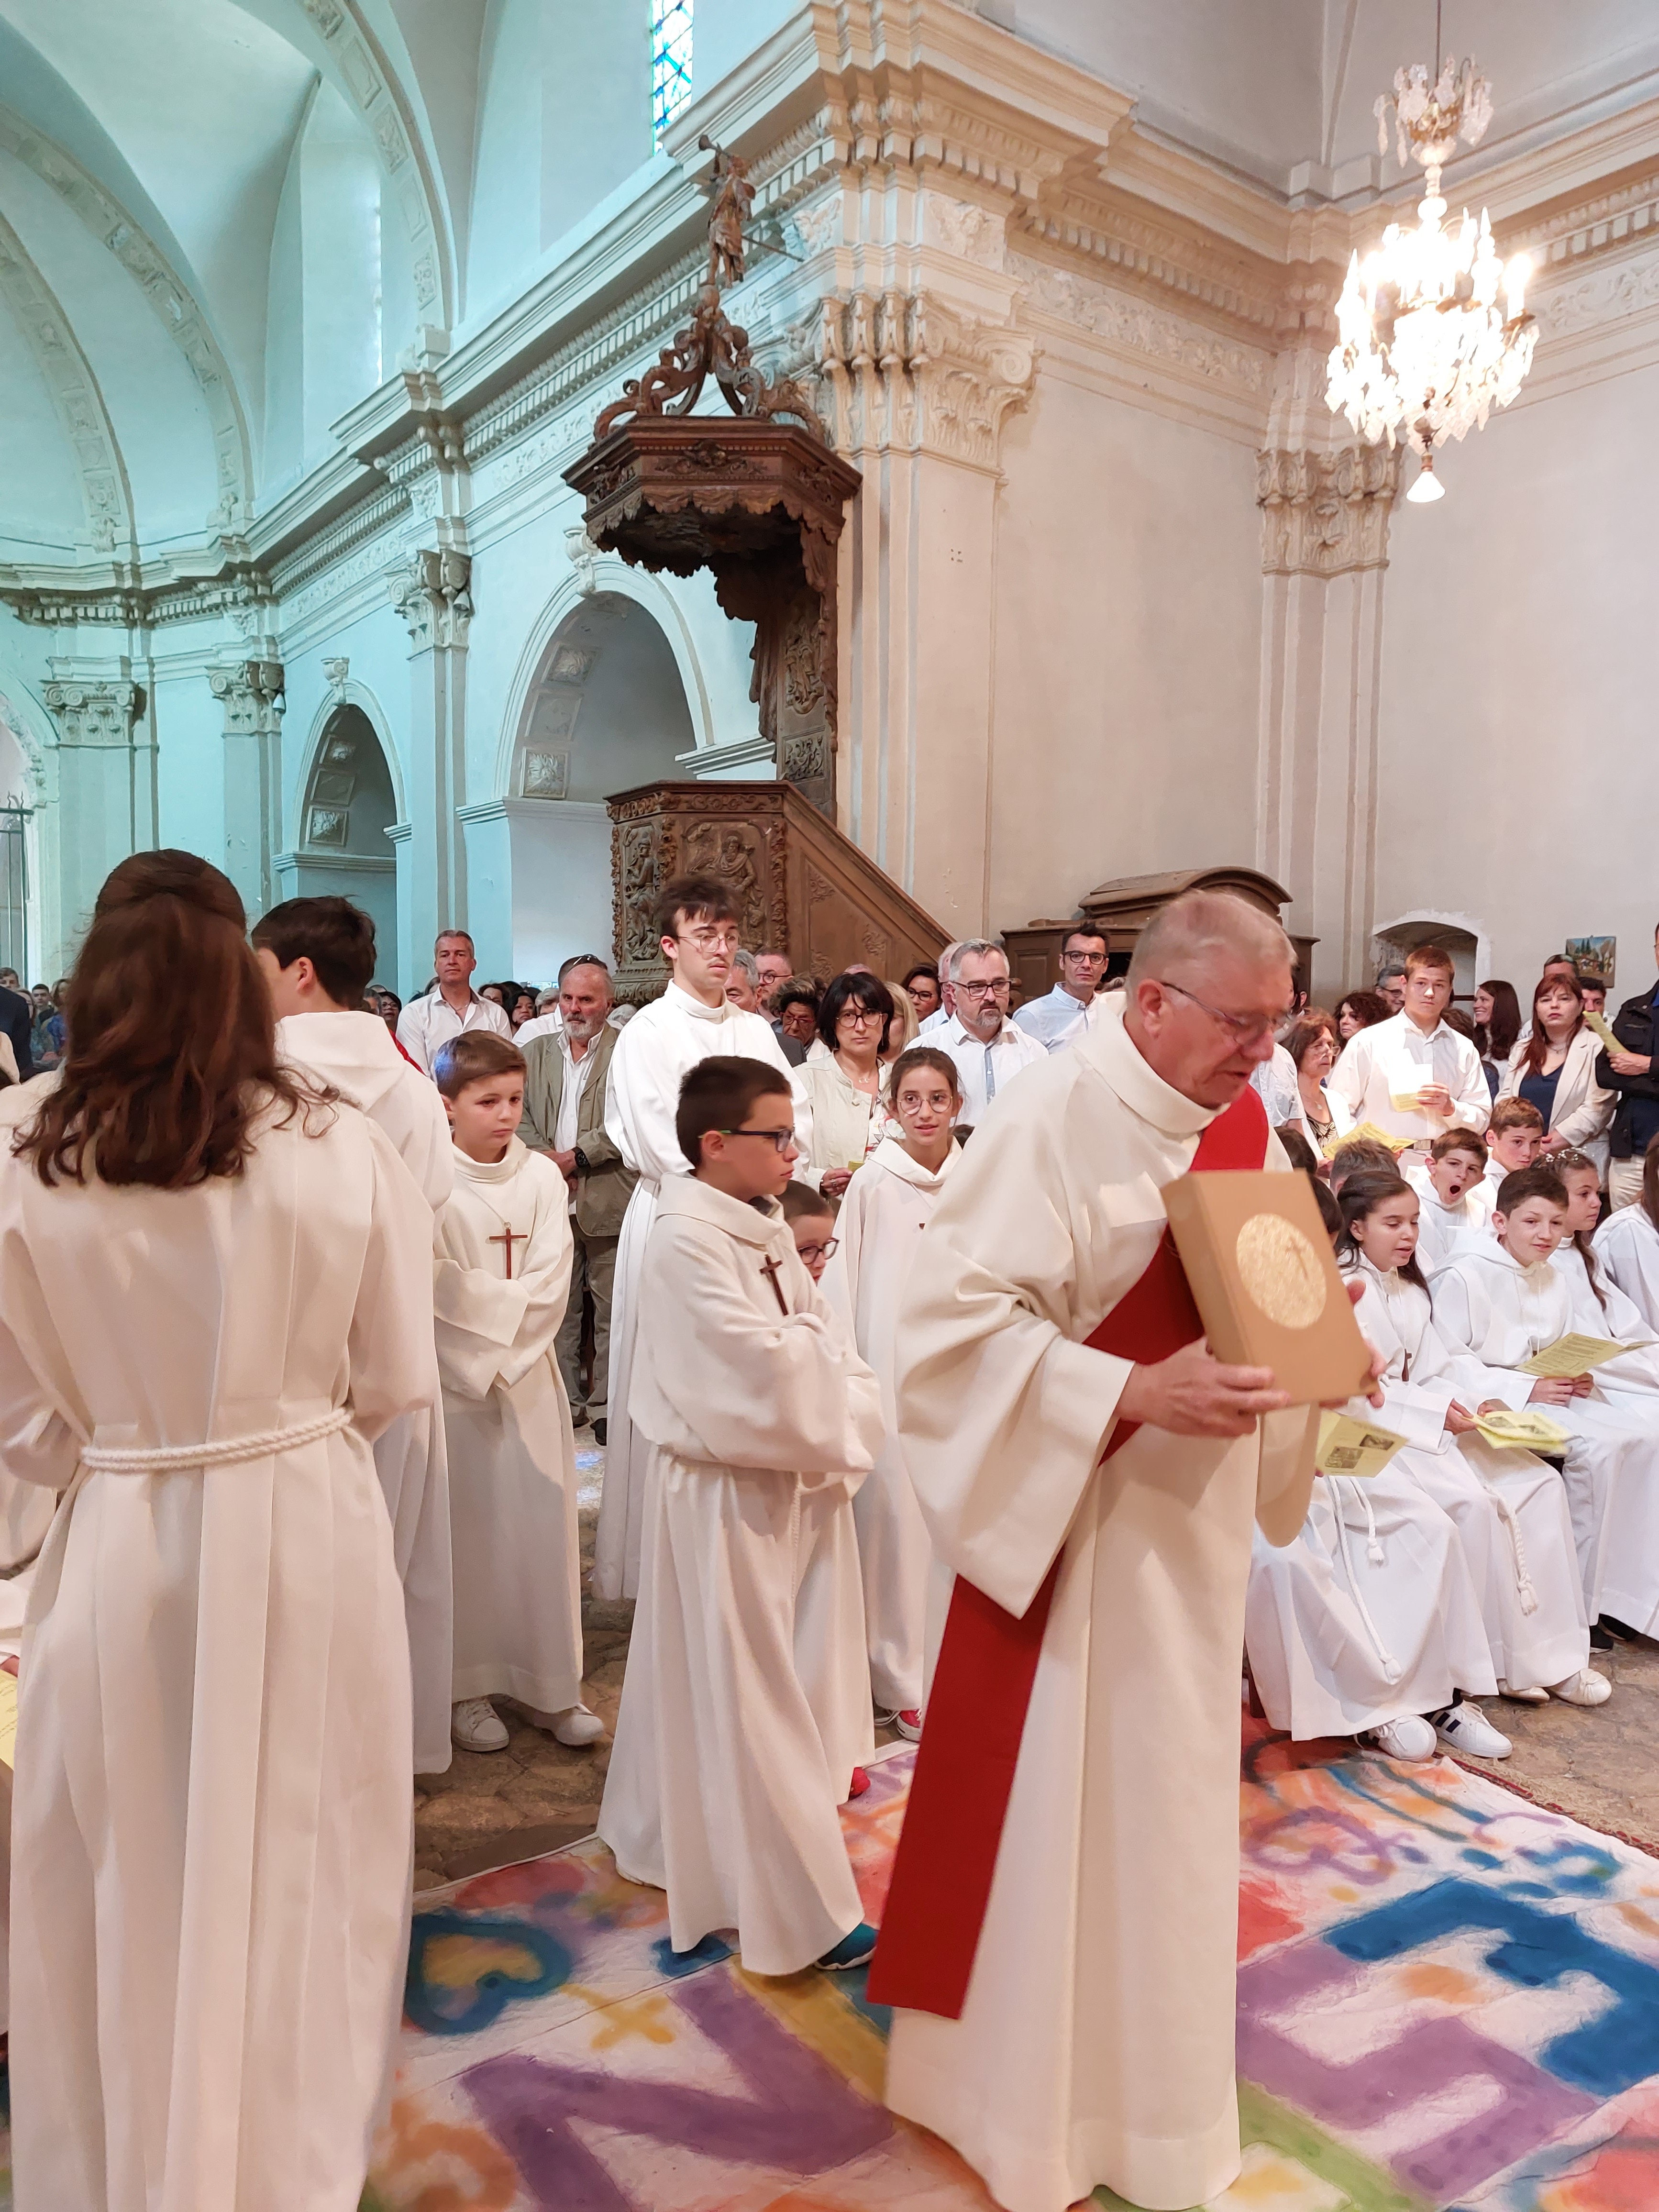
[(1593, 958)]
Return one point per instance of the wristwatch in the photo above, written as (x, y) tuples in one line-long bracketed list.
[(580, 1158)]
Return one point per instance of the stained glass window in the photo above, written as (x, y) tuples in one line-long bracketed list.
[(671, 60)]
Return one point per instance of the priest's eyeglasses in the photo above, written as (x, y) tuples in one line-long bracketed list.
[(783, 1140), (1244, 1028)]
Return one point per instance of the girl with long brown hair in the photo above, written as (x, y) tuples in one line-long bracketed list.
[(218, 1292)]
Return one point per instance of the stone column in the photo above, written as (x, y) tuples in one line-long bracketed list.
[(1324, 551), (106, 786), (431, 590), (251, 692)]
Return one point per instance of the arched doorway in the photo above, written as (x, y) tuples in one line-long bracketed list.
[(349, 805), (607, 710), (1462, 937)]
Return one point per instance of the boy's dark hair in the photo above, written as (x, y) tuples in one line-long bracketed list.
[(718, 1093), (335, 936), (1359, 1198), (1539, 1182), (800, 1202), (1358, 1156), (692, 898), (1298, 1150), (1329, 1212), (1458, 1140), (471, 1056), (1515, 1113)]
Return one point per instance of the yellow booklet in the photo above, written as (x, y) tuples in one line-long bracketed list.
[(1351, 1447), (1333, 1144), (1603, 1028), (1522, 1428), (1576, 1355), (7, 1717)]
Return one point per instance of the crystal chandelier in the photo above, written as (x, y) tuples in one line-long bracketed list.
[(1425, 351)]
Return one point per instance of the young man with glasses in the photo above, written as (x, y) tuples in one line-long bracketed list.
[(696, 922), (987, 1049), (1413, 1075), (745, 1709), (1064, 1014)]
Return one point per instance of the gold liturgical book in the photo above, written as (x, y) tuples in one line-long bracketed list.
[(1265, 1282)]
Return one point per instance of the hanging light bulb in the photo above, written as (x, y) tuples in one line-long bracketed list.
[(1424, 349)]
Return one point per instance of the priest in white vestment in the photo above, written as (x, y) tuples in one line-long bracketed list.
[(318, 959), (1094, 2043), (212, 1828), (697, 929)]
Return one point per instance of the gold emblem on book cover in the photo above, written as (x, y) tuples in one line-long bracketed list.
[(1280, 1271)]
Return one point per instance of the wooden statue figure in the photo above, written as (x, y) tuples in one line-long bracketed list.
[(732, 197)]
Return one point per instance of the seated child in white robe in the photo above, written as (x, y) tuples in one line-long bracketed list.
[(1455, 1202), (503, 1276), (1370, 1623), (1600, 1308), (886, 1208), (1499, 1302), (1627, 1244), (762, 1420), (1514, 1139)]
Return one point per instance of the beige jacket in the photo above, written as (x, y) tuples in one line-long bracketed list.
[(1583, 1109), (604, 1189)]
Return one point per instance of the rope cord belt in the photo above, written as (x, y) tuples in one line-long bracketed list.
[(228, 1451)]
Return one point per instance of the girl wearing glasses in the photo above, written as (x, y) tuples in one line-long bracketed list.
[(841, 1080), (881, 1220)]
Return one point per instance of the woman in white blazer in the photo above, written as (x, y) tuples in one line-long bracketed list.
[(1554, 1068)]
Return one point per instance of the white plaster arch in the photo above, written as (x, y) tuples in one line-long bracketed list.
[(349, 694), (1431, 918), (612, 575), (27, 719)]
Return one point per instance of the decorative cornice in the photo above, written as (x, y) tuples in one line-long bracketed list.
[(1326, 514), (167, 293), (1130, 321)]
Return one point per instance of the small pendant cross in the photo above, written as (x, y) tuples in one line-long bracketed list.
[(770, 1269), (509, 1237)]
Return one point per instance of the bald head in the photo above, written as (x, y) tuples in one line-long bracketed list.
[(1209, 982)]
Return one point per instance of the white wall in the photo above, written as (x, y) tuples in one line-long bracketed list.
[(1519, 771), (1127, 631)]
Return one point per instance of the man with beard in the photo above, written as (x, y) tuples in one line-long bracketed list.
[(565, 1076)]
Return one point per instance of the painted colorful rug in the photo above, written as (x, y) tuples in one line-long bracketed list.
[(1448, 1997)]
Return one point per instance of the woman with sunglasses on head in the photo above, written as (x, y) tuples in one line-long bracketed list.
[(839, 1080)]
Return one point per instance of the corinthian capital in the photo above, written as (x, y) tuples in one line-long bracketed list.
[(1324, 515), (94, 713), (251, 692), (432, 591)]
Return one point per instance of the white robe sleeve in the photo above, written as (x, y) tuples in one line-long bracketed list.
[(389, 1345), (1470, 1097), (1462, 1326), (741, 1388), (1349, 1080), (984, 1362), (491, 1332), (37, 1443)]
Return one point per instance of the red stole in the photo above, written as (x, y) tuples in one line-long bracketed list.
[(947, 1850)]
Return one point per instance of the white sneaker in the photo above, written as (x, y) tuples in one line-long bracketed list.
[(1465, 1729), (575, 1727), (1409, 1737), (1586, 1687), (475, 1725)]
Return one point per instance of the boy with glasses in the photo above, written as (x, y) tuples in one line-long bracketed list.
[(695, 923), (1063, 1015), (988, 1049), (745, 1700), (1413, 1075)]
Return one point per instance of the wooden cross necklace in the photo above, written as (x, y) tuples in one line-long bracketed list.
[(509, 1237), (770, 1269)]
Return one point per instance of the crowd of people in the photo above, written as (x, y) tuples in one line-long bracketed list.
[(309, 1292)]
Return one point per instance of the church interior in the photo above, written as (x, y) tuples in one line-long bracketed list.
[(486, 459)]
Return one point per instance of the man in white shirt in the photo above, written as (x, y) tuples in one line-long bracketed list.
[(1067, 1011), (1412, 1075), (988, 1050), (947, 1006), (451, 1005)]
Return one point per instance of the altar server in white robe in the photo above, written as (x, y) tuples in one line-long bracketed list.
[(1499, 1302), (1092, 2039), (1600, 1308), (1628, 1243), (1413, 1075), (317, 956), (503, 1277), (216, 1300), (1371, 1624), (763, 1420), (1454, 1200), (696, 922), (888, 1205)]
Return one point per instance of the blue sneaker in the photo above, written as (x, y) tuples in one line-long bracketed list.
[(854, 1950)]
